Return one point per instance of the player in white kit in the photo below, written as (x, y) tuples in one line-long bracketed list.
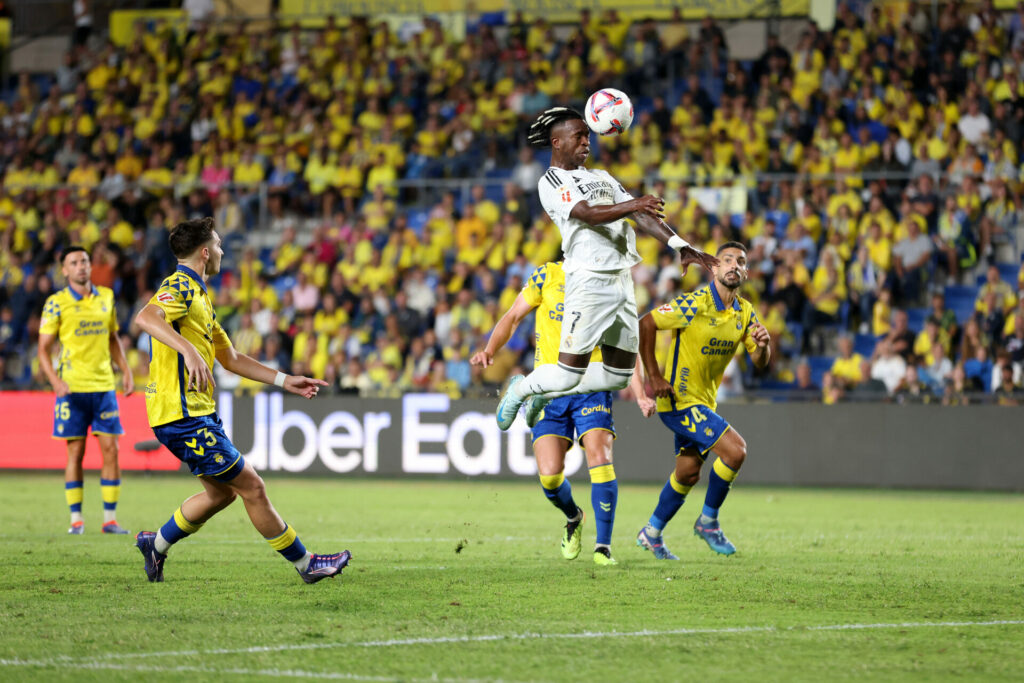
[(590, 208)]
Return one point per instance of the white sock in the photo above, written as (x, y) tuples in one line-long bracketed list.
[(598, 546), (109, 516), (553, 377), (161, 544), (599, 377), (577, 517), (652, 531), (303, 563), (76, 518)]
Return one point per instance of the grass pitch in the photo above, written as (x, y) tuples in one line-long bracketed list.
[(464, 581)]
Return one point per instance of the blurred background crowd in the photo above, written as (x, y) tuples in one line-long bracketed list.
[(379, 205)]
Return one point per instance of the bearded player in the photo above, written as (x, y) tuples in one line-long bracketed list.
[(710, 326)]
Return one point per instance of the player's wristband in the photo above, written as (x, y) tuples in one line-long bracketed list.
[(279, 379), (677, 243)]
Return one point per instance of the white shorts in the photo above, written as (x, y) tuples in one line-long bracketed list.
[(600, 309)]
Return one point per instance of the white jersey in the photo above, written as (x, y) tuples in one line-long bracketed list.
[(597, 248)]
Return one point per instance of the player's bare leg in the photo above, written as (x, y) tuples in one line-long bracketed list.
[(250, 488), (731, 452), (612, 374), (604, 490), (550, 453), (73, 484), (205, 504), (110, 483)]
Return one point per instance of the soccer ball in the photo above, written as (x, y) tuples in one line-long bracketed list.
[(609, 112)]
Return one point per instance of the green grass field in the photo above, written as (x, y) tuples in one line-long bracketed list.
[(464, 581)]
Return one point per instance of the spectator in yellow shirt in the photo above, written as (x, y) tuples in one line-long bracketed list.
[(846, 368)]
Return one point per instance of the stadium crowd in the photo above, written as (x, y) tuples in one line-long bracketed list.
[(874, 171)]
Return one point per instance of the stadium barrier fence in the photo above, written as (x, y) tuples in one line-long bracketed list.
[(430, 435)]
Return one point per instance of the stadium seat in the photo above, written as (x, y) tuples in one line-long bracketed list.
[(283, 284), (1008, 272), (417, 220), (499, 173), (798, 339), (960, 299), (496, 193), (819, 366), (864, 344), (916, 318)]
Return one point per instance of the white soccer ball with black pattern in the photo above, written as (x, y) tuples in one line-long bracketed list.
[(609, 112)]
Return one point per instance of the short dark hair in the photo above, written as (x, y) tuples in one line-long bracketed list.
[(71, 250), (732, 245), (188, 236), (540, 130)]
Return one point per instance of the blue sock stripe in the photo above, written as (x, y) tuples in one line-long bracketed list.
[(562, 498), (669, 503), (718, 489), (171, 532), (109, 506), (73, 484), (110, 482), (76, 507), (295, 551), (604, 497)]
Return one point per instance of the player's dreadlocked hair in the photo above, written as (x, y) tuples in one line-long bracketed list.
[(540, 130)]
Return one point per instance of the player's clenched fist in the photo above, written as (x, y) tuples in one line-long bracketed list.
[(760, 335), (660, 386)]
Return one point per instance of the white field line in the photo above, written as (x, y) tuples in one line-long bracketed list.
[(98, 661), (274, 673)]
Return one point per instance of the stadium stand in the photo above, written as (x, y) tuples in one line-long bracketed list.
[(379, 202)]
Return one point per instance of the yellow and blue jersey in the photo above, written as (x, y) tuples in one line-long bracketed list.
[(83, 325), (545, 290), (187, 307), (707, 336)]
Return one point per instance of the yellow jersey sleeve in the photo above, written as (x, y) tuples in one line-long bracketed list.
[(532, 290), (50, 321), (220, 337), (174, 297), (676, 314)]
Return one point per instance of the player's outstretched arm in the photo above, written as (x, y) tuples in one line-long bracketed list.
[(648, 333), (502, 331), (45, 355), (660, 230), (602, 214), (250, 368), (151, 319)]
